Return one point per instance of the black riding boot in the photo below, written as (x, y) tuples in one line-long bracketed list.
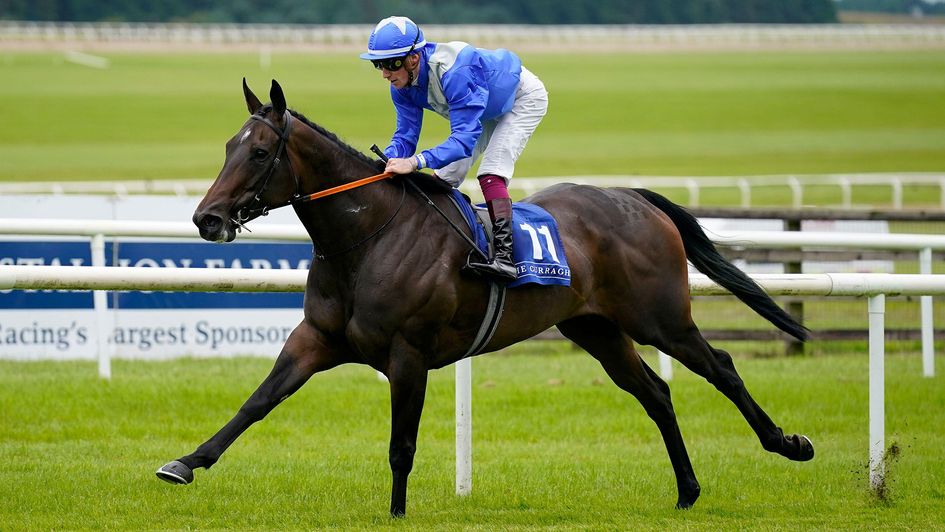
[(501, 267)]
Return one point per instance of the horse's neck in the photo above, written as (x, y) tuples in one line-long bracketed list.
[(344, 219)]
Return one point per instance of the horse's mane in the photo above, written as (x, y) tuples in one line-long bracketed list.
[(426, 182)]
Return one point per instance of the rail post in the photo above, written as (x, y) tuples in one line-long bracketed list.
[(745, 188), (797, 192), (693, 187), (464, 427), (793, 346), (846, 192), (925, 304), (877, 398), (896, 184), (666, 366), (102, 316)]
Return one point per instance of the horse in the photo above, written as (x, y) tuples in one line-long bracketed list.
[(386, 288)]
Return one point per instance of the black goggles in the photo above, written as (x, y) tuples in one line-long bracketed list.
[(393, 64)]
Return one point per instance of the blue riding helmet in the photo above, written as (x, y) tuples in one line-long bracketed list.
[(394, 37)]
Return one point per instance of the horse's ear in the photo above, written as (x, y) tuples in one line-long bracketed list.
[(277, 98), (252, 102)]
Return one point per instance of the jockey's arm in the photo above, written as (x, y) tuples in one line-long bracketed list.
[(409, 121), (467, 93)]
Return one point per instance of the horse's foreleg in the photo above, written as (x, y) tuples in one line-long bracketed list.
[(615, 352), (303, 354), (408, 384)]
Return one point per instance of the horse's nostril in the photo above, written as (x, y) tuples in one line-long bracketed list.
[(209, 222)]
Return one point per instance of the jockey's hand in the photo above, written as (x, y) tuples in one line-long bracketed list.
[(401, 166)]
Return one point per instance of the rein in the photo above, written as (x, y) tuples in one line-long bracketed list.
[(455, 227), (246, 214), (403, 196), (250, 212), (339, 188)]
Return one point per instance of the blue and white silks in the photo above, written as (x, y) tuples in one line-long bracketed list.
[(536, 245), (462, 83)]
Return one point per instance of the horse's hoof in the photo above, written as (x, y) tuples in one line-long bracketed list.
[(175, 473), (805, 449), (688, 497), (684, 505)]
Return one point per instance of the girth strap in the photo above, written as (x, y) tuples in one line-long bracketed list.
[(494, 308), (490, 322)]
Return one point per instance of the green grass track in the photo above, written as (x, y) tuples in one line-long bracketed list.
[(556, 446)]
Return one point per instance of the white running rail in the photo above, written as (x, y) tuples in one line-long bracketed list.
[(694, 185), (576, 36), (924, 245)]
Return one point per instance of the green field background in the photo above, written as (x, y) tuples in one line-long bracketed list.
[(167, 116)]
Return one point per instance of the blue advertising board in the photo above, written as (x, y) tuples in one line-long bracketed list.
[(155, 254)]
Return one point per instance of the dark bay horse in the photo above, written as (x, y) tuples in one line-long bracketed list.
[(385, 288)]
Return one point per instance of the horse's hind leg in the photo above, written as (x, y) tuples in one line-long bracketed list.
[(615, 351), (716, 366), (302, 356)]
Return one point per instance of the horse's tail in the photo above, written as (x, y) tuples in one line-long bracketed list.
[(702, 254)]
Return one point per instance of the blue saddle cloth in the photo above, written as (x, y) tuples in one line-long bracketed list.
[(536, 245)]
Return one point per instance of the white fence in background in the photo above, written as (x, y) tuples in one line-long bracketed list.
[(873, 286), (694, 185), (576, 36), (98, 230), (843, 183)]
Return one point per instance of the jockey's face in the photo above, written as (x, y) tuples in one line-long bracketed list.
[(401, 77)]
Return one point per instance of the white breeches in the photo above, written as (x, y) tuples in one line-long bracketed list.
[(504, 137)]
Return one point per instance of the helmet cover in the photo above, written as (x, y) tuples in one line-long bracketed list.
[(394, 37)]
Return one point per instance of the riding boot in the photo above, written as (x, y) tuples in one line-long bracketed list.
[(501, 267)]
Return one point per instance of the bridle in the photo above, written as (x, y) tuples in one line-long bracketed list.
[(250, 212), (253, 211)]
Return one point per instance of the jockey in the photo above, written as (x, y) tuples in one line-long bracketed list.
[(492, 102)]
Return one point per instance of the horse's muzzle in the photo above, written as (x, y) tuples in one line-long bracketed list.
[(213, 228)]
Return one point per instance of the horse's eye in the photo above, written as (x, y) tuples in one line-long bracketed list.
[(260, 154)]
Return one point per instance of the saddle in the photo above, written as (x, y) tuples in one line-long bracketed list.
[(536, 246), (536, 249)]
